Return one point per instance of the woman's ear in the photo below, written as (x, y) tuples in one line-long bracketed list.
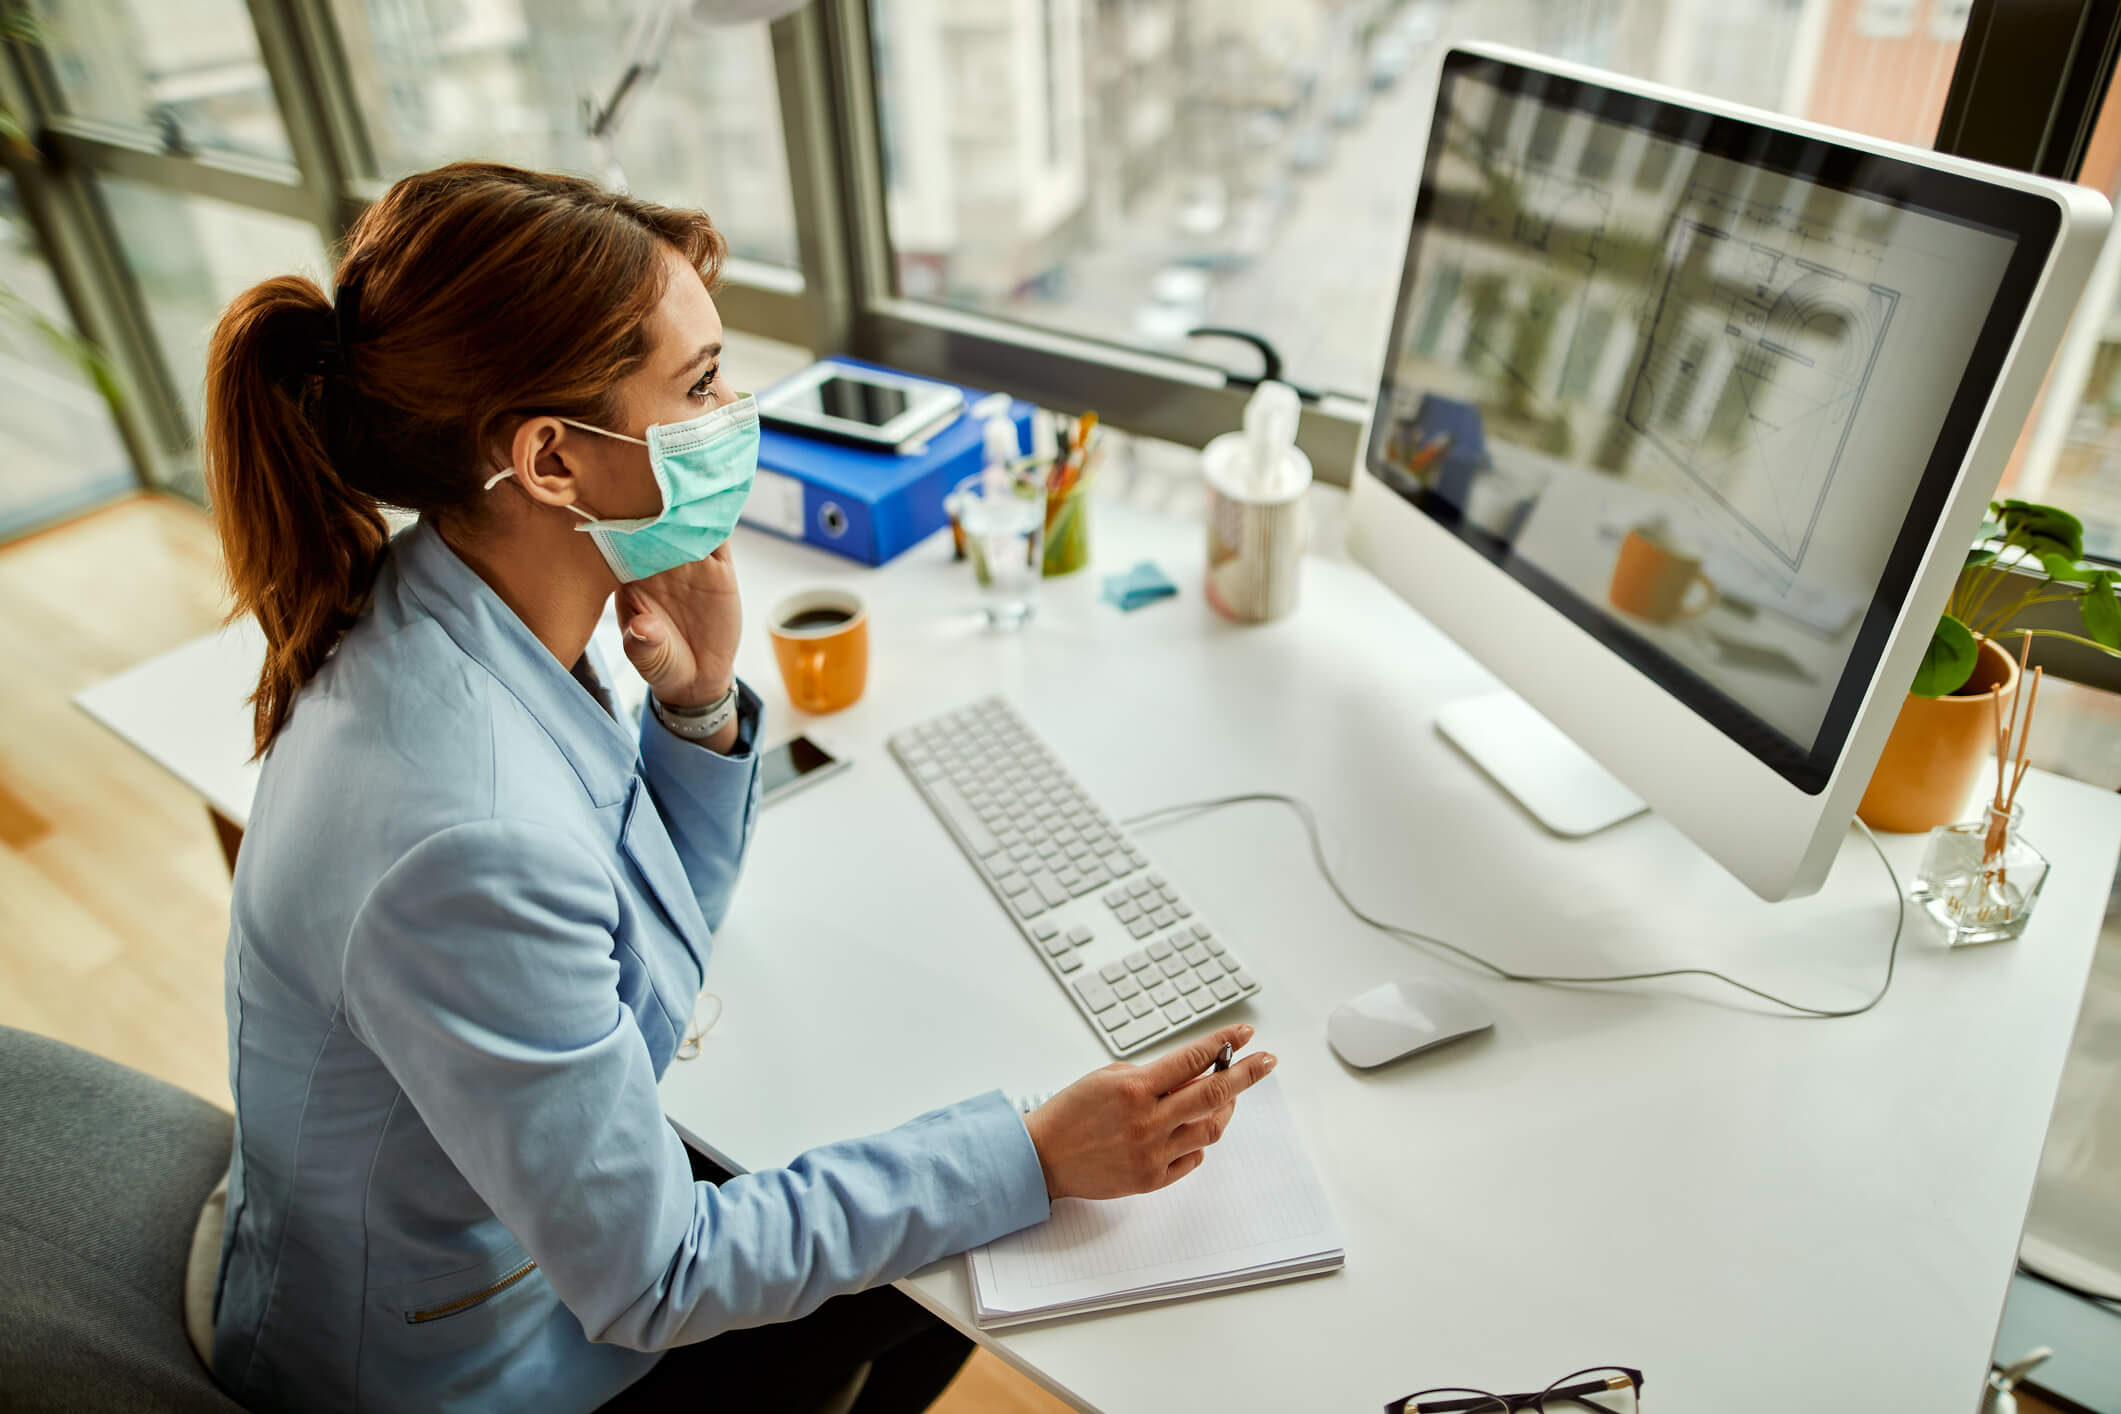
[(541, 458)]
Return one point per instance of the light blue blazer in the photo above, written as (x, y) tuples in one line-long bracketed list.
[(471, 917)]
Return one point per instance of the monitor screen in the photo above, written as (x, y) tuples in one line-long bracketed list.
[(1695, 381)]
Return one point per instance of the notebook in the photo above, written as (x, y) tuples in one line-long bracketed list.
[(1252, 1213)]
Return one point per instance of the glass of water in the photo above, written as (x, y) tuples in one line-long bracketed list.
[(1004, 521)]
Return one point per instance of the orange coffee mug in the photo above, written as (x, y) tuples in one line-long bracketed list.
[(1654, 581), (821, 639)]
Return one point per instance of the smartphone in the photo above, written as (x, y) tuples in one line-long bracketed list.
[(793, 764)]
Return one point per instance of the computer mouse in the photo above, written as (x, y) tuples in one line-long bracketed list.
[(1400, 1018)]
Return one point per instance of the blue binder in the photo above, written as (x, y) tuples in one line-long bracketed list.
[(866, 505)]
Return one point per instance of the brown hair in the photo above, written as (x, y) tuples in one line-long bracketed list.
[(468, 296)]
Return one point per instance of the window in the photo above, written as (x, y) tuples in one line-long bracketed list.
[(696, 122), (56, 437), (185, 73), (1253, 165), (189, 256)]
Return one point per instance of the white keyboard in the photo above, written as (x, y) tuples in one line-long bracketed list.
[(1136, 959)]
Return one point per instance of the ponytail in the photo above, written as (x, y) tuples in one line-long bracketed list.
[(301, 545)]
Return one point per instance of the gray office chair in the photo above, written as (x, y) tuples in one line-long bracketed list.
[(104, 1171)]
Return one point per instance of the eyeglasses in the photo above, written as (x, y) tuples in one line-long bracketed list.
[(1603, 1389)]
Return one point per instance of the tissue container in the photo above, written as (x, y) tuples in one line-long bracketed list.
[(1255, 540)]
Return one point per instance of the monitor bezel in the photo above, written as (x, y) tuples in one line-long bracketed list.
[(2031, 220)]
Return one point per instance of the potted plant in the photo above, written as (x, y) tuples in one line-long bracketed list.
[(2026, 555)]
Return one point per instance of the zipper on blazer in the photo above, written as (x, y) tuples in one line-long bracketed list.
[(465, 1303)]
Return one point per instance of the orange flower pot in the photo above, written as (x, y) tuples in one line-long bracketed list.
[(1937, 749)]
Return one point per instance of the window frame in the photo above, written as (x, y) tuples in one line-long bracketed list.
[(843, 294)]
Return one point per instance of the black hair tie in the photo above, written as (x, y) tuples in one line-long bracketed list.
[(332, 360)]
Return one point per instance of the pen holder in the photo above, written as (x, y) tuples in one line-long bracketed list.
[(1067, 529)]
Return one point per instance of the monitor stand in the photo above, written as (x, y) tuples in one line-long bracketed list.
[(1533, 760)]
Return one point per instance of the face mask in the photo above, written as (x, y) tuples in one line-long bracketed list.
[(704, 468)]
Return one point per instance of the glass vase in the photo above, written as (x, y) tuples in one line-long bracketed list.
[(1980, 879)]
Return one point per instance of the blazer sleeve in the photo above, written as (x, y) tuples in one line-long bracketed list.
[(708, 801), (480, 970)]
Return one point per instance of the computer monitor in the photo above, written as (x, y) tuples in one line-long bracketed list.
[(1688, 417)]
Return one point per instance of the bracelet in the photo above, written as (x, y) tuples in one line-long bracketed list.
[(697, 723)]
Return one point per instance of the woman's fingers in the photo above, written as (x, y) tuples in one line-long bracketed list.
[(1217, 1092), (1179, 1167), (1173, 1069), (1200, 1133)]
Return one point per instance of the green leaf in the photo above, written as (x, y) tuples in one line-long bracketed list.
[(2069, 571), (1949, 660), (2102, 614), (1976, 558), (2045, 529), (1990, 530)]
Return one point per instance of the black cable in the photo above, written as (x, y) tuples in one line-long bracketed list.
[(2083, 1293), (1318, 853)]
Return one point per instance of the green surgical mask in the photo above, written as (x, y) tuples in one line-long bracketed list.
[(704, 468)]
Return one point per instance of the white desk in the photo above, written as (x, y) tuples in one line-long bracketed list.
[(1742, 1205)]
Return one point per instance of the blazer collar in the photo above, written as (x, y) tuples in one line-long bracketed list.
[(487, 631)]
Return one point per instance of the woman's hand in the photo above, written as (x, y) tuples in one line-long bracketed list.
[(1134, 1128), (681, 630)]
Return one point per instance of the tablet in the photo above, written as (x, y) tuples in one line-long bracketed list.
[(865, 406)]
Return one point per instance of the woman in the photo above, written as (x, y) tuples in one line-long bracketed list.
[(473, 911)]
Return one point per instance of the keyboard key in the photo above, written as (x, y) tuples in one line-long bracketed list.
[(1140, 928), (1112, 972), (1182, 909), (1095, 994), (1200, 931), (1001, 866), (1095, 877), (1178, 1013), (1202, 1000), (1028, 904), (1244, 979), (1159, 950), (1015, 883), (1138, 1005), (1114, 898), (1126, 986), (1114, 1019), (1049, 889), (1162, 918), (1127, 912), (1068, 879), (1186, 982), (1174, 968), (1079, 935), (1044, 929), (1207, 969), (1223, 988), (1138, 887), (1155, 881), (1215, 945), (1055, 946), (1136, 961), (1139, 1030), (1070, 963), (1193, 953), (1118, 865), (1163, 993)]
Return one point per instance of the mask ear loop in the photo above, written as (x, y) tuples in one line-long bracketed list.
[(502, 475)]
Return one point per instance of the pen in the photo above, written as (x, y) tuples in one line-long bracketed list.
[(1222, 1059)]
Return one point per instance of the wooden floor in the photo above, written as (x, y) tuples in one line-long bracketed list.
[(113, 894)]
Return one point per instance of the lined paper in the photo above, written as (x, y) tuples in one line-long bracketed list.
[(1253, 1211)]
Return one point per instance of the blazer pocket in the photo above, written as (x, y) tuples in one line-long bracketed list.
[(646, 845), (466, 1300)]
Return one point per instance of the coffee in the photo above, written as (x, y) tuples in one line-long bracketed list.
[(810, 620)]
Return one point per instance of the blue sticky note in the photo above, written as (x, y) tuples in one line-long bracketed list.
[(1144, 584)]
